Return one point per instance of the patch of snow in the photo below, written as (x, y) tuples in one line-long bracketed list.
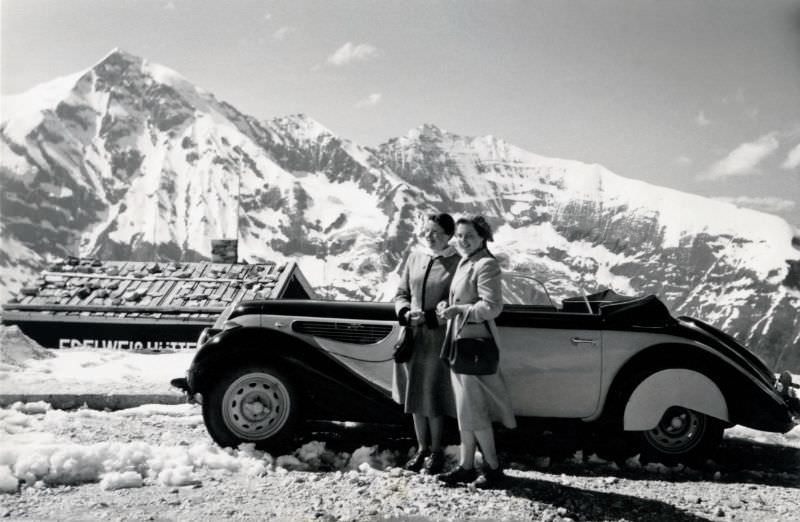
[(116, 480), (14, 162), (8, 482), (32, 450), (17, 349), (368, 458), (23, 112), (26, 367), (531, 243), (31, 407), (332, 200), (519, 207)]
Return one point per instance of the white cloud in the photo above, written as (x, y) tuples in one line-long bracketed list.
[(737, 97), (349, 53), (742, 160), (701, 119), (764, 204), (170, 6), (792, 159), (267, 16), (283, 32), (371, 100), (683, 160)]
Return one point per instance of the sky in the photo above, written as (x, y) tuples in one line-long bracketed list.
[(702, 96)]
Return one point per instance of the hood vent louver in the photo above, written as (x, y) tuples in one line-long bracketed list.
[(353, 333)]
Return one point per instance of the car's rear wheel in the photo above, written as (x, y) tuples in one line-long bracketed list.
[(253, 404), (681, 436)]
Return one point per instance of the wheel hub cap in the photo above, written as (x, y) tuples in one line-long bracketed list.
[(253, 409), (680, 430), (256, 406), (676, 424)]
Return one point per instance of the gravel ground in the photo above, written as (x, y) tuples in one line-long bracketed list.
[(553, 478)]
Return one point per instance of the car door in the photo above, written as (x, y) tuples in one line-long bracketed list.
[(551, 359)]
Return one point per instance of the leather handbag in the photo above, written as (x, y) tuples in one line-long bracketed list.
[(474, 355), (405, 346)]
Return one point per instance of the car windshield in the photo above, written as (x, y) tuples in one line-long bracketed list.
[(523, 289)]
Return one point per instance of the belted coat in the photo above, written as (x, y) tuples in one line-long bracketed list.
[(480, 399), (422, 385)]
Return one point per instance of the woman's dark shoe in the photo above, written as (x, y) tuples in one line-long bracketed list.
[(434, 464), (458, 476), (491, 478), (417, 461)]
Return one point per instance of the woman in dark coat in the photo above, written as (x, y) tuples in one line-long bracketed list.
[(422, 385), (475, 299)]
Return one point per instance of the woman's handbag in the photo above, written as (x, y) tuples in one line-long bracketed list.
[(405, 345), (474, 355)]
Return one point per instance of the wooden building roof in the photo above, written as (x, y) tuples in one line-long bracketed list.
[(125, 290)]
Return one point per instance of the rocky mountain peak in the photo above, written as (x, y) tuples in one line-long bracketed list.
[(118, 57), (427, 132), (130, 160), (301, 125)]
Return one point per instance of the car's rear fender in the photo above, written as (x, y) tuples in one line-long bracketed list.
[(748, 402), (330, 390), (672, 387)]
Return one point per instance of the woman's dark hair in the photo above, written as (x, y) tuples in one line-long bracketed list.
[(481, 226), (445, 221)]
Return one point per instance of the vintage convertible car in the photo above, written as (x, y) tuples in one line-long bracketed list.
[(623, 364)]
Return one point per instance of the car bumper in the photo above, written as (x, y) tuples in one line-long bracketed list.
[(182, 383)]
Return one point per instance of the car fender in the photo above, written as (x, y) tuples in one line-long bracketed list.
[(230, 344), (328, 385), (672, 387)]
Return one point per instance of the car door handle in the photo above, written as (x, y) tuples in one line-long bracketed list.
[(578, 340)]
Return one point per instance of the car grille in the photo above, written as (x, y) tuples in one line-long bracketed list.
[(354, 333)]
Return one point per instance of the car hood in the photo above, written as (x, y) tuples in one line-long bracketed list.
[(318, 308)]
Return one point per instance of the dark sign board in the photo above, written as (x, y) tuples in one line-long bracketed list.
[(138, 306)]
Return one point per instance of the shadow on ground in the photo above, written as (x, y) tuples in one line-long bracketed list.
[(575, 452), (597, 505)]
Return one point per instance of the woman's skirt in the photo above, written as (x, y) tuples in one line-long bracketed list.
[(481, 400), (422, 385)]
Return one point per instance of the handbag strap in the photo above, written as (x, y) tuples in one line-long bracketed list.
[(464, 322)]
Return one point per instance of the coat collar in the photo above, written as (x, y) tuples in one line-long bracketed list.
[(475, 256), (445, 253)]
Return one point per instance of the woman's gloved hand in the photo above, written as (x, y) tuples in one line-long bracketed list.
[(415, 317), (450, 312)]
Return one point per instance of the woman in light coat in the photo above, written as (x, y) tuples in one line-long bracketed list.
[(422, 385), (476, 298)]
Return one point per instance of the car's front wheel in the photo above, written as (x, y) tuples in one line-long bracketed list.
[(253, 404), (681, 436)]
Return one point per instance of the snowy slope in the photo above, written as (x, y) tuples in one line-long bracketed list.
[(129, 160), (582, 227)]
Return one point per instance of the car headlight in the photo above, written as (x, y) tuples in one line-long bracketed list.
[(208, 333), (228, 325)]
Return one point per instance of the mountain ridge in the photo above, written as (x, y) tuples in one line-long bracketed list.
[(135, 162)]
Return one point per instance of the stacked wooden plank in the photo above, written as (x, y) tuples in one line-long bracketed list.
[(140, 306), (131, 289)]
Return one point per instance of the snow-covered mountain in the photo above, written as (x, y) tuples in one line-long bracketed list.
[(129, 160)]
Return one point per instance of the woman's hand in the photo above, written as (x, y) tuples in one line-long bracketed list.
[(415, 317), (451, 312)]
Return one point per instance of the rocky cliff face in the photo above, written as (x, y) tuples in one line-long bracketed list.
[(581, 227), (129, 160)]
